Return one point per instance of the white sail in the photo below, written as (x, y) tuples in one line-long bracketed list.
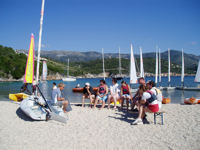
[(120, 72), (103, 64), (182, 71), (133, 76), (141, 64), (40, 39), (156, 71), (169, 78), (44, 71), (197, 77), (159, 66)]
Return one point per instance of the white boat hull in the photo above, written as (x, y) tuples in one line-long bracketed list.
[(188, 88), (69, 79), (167, 88), (36, 112)]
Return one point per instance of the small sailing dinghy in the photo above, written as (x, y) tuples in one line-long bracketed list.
[(68, 78)]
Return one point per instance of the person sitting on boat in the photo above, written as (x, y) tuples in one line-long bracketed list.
[(57, 98), (137, 97), (102, 94), (54, 85), (114, 93), (88, 92), (125, 94), (25, 89), (78, 86), (151, 86), (148, 103)]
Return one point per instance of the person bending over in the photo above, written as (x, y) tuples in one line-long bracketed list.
[(148, 103), (88, 92), (102, 94), (57, 98)]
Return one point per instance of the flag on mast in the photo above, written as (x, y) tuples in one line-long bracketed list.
[(29, 72)]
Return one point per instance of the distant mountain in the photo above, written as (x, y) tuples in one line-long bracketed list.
[(190, 59)]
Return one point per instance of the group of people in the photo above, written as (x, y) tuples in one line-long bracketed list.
[(147, 98)]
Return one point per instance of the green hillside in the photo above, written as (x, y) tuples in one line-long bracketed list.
[(13, 64)]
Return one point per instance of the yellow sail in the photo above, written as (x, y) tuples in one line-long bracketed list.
[(29, 73)]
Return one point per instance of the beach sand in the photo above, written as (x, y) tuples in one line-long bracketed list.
[(101, 129)]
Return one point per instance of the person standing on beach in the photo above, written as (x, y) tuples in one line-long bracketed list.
[(58, 99), (125, 94), (114, 93), (88, 92), (102, 94)]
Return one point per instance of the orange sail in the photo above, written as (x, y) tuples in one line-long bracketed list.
[(29, 73)]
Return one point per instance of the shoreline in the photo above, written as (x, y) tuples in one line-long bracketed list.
[(101, 129), (21, 80)]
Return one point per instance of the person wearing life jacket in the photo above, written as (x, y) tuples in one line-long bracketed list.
[(125, 94), (148, 103), (151, 86), (102, 94)]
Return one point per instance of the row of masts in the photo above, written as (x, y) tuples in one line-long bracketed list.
[(158, 75)]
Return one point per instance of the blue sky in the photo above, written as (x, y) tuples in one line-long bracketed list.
[(89, 25)]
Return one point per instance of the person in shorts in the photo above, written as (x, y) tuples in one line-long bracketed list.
[(58, 99), (114, 93), (88, 92), (102, 94), (125, 94)]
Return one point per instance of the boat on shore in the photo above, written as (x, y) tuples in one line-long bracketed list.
[(18, 97)]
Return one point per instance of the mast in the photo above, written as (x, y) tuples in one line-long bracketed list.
[(39, 42), (156, 71), (183, 69), (159, 66), (133, 76), (120, 72), (141, 64), (68, 67), (169, 79), (103, 63)]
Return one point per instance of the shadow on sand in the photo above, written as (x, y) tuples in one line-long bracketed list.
[(22, 115)]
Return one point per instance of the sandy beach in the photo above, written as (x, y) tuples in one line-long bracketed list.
[(105, 129)]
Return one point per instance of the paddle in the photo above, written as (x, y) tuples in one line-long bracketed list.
[(52, 114)]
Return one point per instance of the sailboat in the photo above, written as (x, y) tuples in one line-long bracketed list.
[(156, 71), (133, 76), (104, 76), (68, 78), (44, 71), (29, 72), (36, 107), (160, 75), (169, 75), (141, 64), (119, 76)]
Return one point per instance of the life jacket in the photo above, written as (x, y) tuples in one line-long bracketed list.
[(152, 98), (125, 89), (102, 89)]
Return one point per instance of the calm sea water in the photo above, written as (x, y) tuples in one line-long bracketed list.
[(177, 96)]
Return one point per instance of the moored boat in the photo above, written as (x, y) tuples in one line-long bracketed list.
[(192, 100), (81, 89)]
